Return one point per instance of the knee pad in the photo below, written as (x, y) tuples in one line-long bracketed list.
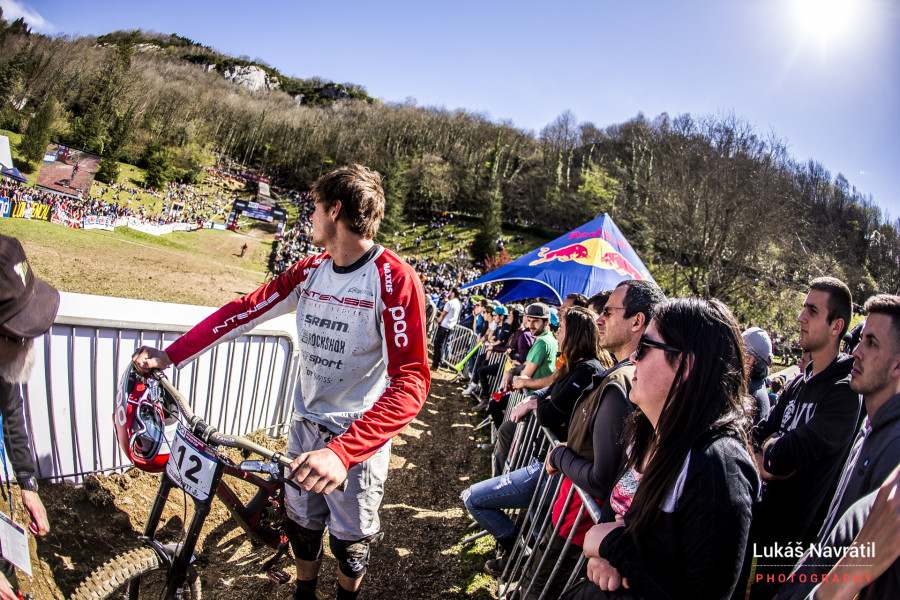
[(305, 543), (353, 557)]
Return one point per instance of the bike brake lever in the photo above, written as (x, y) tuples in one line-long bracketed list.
[(274, 469), (259, 466)]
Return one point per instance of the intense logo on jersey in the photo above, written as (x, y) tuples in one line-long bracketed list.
[(331, 299), (255, 309)]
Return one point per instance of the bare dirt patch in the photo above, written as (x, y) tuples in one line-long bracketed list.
[(201, 267)]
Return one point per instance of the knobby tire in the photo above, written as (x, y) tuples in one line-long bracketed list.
[(111, 581)]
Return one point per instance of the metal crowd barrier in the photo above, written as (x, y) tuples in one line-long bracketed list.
[(495, 379), (457, 345), (530, 560)]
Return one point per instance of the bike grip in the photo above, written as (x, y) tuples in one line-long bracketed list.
[(33, 528)]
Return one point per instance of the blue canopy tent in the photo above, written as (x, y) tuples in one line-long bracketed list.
[(13, 173), (589, 259)]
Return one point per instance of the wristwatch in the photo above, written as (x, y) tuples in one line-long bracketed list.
[(29, 484)]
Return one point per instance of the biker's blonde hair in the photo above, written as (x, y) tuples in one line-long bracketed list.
[(362, 199)]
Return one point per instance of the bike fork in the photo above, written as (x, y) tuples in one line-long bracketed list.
[(179, 558)]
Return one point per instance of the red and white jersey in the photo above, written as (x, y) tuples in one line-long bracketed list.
[(363, 359)]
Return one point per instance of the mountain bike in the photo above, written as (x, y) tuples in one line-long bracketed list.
[(166, 571)]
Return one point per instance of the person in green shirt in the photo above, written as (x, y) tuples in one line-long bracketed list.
[(541, 359), (540, 362)]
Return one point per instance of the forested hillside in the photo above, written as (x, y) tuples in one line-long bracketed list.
[(714, 207)]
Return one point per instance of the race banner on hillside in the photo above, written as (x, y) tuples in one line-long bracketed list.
[(157, 229), (255, 210), (97, 222), (61, 217), (26, 210), (4, 206)]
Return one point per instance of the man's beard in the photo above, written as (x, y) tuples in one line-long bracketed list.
[(19, 369)]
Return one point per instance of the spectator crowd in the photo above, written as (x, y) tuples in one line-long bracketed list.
[(713, 479)]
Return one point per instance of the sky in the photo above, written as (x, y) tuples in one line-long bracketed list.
[(822, 75)]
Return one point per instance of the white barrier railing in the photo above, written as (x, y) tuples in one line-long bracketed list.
[(238, 386)]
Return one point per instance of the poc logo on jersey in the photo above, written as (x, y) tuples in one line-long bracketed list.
[(388, 283), (399, 315)]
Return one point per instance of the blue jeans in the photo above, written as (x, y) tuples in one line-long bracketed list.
[(486, 500)]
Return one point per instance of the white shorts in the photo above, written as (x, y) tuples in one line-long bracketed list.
[(349, 515)]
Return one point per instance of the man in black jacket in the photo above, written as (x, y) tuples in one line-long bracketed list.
[(875, 453), (803, 443), (27, 309)]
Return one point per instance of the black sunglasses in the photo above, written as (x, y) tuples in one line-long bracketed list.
[(14, 340), (646, 343)]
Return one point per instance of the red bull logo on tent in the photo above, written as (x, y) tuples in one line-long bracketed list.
[(564, 254), (592, 253)]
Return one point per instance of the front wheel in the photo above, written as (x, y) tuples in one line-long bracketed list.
[(135, 575)]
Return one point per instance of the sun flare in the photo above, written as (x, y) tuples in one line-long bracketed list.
[(825, 20)]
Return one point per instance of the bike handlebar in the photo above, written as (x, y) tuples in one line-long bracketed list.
[(207, 432)]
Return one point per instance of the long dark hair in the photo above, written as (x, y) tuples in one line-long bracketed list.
[(517, 314), (708, 394), (582, 340)]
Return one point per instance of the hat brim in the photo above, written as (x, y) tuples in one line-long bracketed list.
[(38, 315)]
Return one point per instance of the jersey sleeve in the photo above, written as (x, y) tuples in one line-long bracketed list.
[(273, 299), (406, 357)]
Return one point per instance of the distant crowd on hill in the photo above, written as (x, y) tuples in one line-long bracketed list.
[(15, 191), (296, 241), (439, 277), (181, 203)]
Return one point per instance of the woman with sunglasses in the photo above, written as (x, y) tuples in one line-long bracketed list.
[(677, 521)]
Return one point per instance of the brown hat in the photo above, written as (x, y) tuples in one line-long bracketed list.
[(28, 305)]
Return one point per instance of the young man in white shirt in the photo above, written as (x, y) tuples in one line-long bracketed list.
[(448, 319)]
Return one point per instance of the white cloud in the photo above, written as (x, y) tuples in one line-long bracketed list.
[(13, 9), (863, 173)]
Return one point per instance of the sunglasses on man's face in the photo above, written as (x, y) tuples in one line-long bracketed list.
[(14, 340), (646, 344), (607, 311)]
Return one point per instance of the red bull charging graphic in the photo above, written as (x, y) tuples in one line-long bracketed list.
[(563, 254), (592, 253), (587, 259)]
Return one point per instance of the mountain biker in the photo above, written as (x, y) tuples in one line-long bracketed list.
[(363, 374)]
